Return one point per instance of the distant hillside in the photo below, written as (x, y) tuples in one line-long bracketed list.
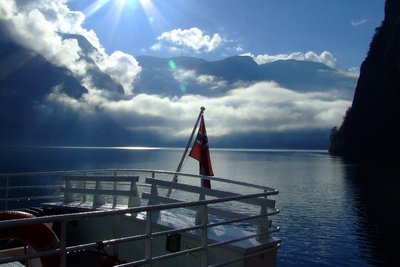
[(27, 117), (98, 77), (157, 76), (370, 130)]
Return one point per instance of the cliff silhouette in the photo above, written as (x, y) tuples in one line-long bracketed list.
[(370, 128)]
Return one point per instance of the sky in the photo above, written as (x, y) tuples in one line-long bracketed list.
[(215, 29), (336, 33)]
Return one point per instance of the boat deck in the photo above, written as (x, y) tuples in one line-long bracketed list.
[(128, 211)]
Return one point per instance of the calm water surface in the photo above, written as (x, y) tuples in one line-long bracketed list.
[(332, 213)]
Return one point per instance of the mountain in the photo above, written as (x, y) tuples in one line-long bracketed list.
[(27, 117), (98, 77), (306, 76), (369, 132), (157, 76)]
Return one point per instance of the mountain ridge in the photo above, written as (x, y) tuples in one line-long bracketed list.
[(302, 76)]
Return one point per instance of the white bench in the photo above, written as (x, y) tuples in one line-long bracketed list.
[(72, 189), (263, 223)]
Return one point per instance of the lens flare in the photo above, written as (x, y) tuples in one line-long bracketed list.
[(171, 64), (183, 88)]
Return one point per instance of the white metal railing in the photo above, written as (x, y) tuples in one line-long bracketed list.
[(201, 205)]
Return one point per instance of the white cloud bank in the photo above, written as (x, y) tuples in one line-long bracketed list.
[(35, 25), (261, 107), (193, 39), (325, 58)]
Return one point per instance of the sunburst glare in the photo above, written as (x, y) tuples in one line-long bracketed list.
[(117, 7), (96, 6)]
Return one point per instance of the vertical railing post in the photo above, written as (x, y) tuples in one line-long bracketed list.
[(204, 236), (199, 213), (148, 242), (134, 201), (7, 185), (261, 226), (84, 186), (68, 197), (63, 242), (115, 188), (153, 201), (98, 199)]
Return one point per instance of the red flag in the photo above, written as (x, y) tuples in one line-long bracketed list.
[(201, 152)]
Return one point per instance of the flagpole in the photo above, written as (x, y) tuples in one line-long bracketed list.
[(175, 179)]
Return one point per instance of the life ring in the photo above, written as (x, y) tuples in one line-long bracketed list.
[(39, 236)]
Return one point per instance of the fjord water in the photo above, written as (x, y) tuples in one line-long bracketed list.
[(332, 213)]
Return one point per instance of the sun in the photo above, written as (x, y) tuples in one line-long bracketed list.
[(130, 15)]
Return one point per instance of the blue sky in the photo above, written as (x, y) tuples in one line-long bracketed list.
[(343, 28)]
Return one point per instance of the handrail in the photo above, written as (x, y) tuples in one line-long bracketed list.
[(10, 176), (224, 180), (92, 214)]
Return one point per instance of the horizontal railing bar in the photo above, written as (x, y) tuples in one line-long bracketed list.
[(253, 217), (31, 256), (221, 243), (211, 210), (78, 248), (180, 230), (109, 178), (192, 188), (92, 214), (30, 198), (196, 249), (107, 183), (31, 187), (199, 248), (140, 237), (224, 180), (89, 191), (210, 192), (245, 257), (162, 257)]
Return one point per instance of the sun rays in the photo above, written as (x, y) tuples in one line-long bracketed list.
[(122, 11), (94, 7)]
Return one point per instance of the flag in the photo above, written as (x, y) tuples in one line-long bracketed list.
[(201, 153)]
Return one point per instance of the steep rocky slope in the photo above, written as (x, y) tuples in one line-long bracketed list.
[(370, 129)]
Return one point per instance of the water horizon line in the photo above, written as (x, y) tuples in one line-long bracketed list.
[(170, 148)]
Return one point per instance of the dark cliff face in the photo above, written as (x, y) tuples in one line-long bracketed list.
[(370, 130)]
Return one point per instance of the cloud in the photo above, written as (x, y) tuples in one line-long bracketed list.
[(325, 57), (355, 71), (185, 76), (261, 107), (122, 67), (193, 39), (358, 22), (35, 25)]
